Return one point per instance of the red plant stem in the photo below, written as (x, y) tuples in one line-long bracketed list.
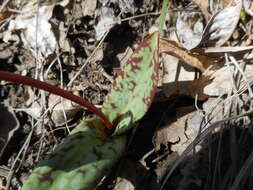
[(7, 76)]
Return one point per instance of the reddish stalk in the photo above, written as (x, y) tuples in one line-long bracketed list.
[(7, 76)]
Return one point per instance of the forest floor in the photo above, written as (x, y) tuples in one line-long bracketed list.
[(205, 91)]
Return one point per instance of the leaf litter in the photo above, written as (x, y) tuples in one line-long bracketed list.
[(220, 87)]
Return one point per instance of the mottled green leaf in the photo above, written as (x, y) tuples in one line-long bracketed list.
[(135, 86), (80, 162)]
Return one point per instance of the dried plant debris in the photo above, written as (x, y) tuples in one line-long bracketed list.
[(222, 24), (204, 7), (217, 31), (199, 61), (189, 28), (106, 21), (124, 5), (61, 110), (248, 7), (36, 31), (89, 7), (177, 133), (221, 83), (131, 176), (221, 158), (177, 76)]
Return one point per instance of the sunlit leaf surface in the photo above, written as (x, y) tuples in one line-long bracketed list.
[(80, 162)]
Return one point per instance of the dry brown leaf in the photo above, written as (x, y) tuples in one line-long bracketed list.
[(64, 108), (176, 74), (4, 14), (198, 61), (176, 131), (225, 3), (216, 83)]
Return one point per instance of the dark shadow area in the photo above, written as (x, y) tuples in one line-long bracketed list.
[(218, 163), (156, 117), (119, 38)]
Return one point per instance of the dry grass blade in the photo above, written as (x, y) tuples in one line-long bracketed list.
[(242, 73), (199, 138)]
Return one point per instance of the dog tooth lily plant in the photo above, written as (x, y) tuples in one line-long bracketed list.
[(96, 144)]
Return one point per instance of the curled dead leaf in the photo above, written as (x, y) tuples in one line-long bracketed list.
[(196, 60)]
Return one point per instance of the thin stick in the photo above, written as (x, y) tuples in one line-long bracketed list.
[(7, 76), (88, 59)]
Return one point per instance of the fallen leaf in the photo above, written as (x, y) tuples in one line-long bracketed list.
[(176, 74), (196, 60), (177, 132), (26, 23), (196, 87), (64, 43), (221, 26), (5, 13), (221, 81), (189, 28), (61, 110), (224, 3), (131, 176)]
